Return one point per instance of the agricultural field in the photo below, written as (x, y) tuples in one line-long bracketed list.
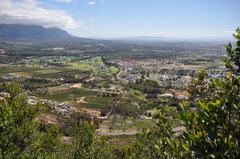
[(124, 126), (15, 69), (80, 98), (119, 92), (49, 69)]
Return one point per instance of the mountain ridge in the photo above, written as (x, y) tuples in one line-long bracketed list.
[(18, 32)]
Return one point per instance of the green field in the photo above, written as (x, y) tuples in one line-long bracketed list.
[(113, 70), (124, 124), (81, 67), (15, 68), (98, 102), (92, 101), (94, 65)]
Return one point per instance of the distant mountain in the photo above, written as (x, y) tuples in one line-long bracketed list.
[(148, 38), (16, 32)]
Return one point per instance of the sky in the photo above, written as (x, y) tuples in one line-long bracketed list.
[(187, 19)]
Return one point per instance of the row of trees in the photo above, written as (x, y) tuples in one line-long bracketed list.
[(212, 128)]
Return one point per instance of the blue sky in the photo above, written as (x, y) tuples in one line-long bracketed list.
[(200, 19)]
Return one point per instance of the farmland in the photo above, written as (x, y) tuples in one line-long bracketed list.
[(122, 90)]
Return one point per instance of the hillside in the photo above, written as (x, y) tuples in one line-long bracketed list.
[(17, 32)]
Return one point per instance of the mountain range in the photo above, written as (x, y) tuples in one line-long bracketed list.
[(17, 32)]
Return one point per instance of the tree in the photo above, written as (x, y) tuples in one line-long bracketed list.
[(212, 128), (87, 145), (20, 135), (158, 142)]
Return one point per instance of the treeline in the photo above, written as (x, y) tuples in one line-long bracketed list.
[(147, 86)]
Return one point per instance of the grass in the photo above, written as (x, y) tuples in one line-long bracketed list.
[(113, 70), (48, 71), (15, 68), (120, 141), (98, 102), (93, 102), (82, 67), (125, 124), (68, 95), (94, 65), (35, 71), (98, 61), (62, 72)]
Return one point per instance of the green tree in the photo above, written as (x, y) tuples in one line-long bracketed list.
[(20, 135), (87, 145), (159, 142), (212, 127), (213, 130)]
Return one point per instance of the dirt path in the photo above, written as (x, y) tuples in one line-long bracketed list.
[(81, 100), (105, 131), (108, 132)]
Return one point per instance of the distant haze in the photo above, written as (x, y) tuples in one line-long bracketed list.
[(174, 19)]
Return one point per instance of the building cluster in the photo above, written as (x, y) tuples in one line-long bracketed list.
[(32, 100), (2, 51), (61, 108)]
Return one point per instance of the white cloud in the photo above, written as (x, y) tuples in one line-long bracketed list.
[(92, 3), (32, 12), (65, 1)]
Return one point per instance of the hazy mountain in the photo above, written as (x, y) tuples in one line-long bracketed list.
[(17, 32), (148, 38)]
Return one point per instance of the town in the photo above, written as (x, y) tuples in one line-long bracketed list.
[(120, 91)]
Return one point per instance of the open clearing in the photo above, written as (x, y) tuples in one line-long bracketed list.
[(61, 88), (120, 126), (66, 94), (48, 71)]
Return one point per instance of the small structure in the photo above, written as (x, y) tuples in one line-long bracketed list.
[(182, 97), (151, 113), (32, 100), (166, 95), (2, 51), (77, 85)]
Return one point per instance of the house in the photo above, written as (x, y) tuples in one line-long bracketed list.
[(182, 97), (32, 100), (151, 113), (90, 79), (77, 85), (2, 51), (166, 95), (133, 78)]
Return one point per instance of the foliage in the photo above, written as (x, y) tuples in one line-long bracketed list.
[(69, 124), (122, 107), (147, 86), (87, 145), (212, 127), (213, 130), (158, 142), (20, 135)]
